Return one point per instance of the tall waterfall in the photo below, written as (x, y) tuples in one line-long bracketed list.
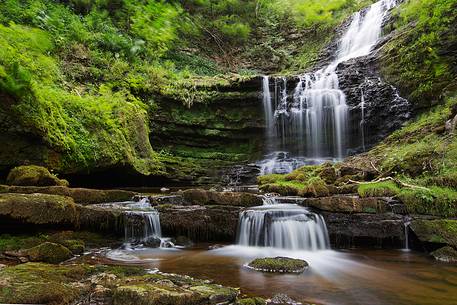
[(313, 121), (285, 226)]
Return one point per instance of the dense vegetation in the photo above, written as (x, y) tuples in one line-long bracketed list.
[(83, 76)]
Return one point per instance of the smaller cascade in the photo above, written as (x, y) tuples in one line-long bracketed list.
[(362, 120), (406, 224), (284, 226)]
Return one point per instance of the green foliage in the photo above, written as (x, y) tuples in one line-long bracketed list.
[(437, 201), (379, 189), (417, 60)]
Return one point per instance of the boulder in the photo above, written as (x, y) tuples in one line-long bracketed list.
[(435, 232), (279, 265), (32, 175), (47, 252), (445, 254), (282, 299), (205, 197), (38, 209)]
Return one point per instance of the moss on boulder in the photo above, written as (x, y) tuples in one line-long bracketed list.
[(47, 252), (38, 209), (440, 231), (205, 197), (33, 175), (38, 283), (279, 264)]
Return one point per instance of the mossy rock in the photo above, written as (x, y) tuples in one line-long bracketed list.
[(48, 253), (82, 196), (445, 254), (279, 264), (39, 209), (170, 290), (441, 231), (251, 301), (39, 283), (205, 197), (32, 175)]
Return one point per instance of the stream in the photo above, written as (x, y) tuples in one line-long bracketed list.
[(334, 277)]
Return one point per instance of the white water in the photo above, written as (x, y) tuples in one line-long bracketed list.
[(362, 120), (314, 123), (284, 226)]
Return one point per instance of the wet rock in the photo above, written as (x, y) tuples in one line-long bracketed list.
[(32, 175), (200, 223), (251, 301), (80, 195), (279, 265), (361, 229), (282, 299), (47, 252), (97, 219), (445, 254), (205, 197), (183, 241), (152, 242), (38, 209)]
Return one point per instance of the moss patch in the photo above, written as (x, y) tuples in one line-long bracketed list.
[(32, 175), (379, 189)]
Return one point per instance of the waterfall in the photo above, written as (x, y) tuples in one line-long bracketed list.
[(362, 119), (313, 122), (406, 224), (141, 225), (285, 226)]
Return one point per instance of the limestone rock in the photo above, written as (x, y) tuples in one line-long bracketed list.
[(204, 197), (47, 252), (445, 254)]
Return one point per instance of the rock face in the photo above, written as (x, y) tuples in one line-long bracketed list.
[(348, 204), (32, 175), (200, 223), (361, 229), (210, 137)]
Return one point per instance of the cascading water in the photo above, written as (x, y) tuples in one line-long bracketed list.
[(362, 120), (314, 122), (285, 226)]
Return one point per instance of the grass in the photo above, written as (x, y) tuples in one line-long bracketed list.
[(379, 189)]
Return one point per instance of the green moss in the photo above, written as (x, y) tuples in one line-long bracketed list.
[(251, 301), (437, 201), (32, 175), (379, 189), (442, 231), (279, 264), (48, 252), (39, 283)]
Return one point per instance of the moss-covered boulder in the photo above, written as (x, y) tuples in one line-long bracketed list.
[(348, 204), (445, 254), (38, 283), (206, 197), (440, 231), (32, 175), (48, 252), (251, 301), (38, 209), (279, 264)]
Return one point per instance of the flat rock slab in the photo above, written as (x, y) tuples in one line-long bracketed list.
[(82, 196)]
